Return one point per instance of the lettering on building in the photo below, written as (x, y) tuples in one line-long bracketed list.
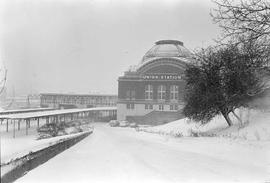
[(162, 77)]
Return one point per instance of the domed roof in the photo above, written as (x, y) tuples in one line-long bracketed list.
[(167, 48)]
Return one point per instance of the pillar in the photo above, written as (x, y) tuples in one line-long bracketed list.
[(26, 126), (7, 125), (14, 128), (38, 122), (19, 124)]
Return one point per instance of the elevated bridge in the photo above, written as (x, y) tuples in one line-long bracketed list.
[(15, 111)]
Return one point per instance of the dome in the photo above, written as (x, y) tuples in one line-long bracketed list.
[(167, 48)]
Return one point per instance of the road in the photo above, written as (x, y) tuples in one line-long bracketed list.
[(124, 155)]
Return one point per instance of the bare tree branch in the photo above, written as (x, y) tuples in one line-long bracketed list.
[(249, 19)]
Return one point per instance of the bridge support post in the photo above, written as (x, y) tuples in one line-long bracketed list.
[(14, 128), (38, 122), (26, 126), (7, 126), (19, 124)]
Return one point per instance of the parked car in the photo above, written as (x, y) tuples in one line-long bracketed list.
[(123, 123), (133, 125), (114, 123)]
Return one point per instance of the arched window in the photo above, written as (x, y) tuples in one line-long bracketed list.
[(174, 92), (161, 92), (130, 95), (149, 92)]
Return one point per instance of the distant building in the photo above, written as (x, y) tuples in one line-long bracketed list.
[(57, 100), (152, 91), (21, 102)]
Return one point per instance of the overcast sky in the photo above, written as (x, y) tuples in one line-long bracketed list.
[(84, 46)]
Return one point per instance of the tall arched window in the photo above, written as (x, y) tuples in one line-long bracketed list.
[(149, 92), (174, 92), (130, 95), (161, 92)]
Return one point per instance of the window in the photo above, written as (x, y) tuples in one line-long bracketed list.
[(174, 92), (130, 95), (130, 106), (161, 107), (149, 92), (173, 107), (148, 106), (161, 92), (81, 100)]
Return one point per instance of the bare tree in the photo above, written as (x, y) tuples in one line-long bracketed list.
[(247, 20), (243, 21)]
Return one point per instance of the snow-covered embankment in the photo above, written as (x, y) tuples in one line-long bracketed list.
[(256, 126)]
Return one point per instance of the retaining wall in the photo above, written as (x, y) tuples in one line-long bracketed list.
[(34, 159)]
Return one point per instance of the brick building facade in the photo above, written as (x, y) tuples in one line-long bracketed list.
[(155, 87)]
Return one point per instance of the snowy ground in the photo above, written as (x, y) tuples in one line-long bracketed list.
[(256, 126), (14, 148), (124, 155), (22, 144)]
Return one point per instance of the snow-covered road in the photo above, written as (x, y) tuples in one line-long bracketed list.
[(124, 155)]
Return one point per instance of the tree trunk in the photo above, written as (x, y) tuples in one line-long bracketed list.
[(239, 119), (227, 118)]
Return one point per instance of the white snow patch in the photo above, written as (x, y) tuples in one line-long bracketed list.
[(256, 126), (22, 144)]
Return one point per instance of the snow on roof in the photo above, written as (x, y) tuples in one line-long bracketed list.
[(180, 59), (167, 48), (81, 94), (53, 113), (24, 110)]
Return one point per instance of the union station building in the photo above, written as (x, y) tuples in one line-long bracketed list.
[(152, 92)]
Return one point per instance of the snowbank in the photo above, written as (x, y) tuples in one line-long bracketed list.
[(35, 145), (256, 126), (17, 167)]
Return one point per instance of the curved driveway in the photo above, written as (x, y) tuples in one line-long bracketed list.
[(124, 155)]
